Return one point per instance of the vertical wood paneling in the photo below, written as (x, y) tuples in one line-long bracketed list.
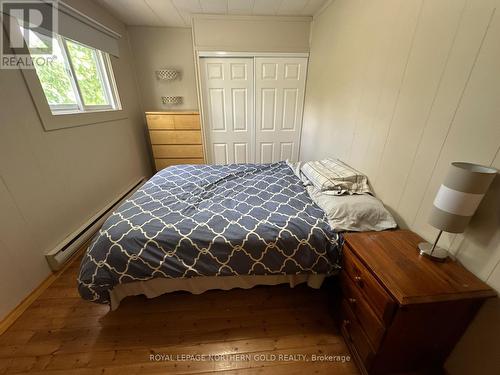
[(475, 132), (419, 99), (402, 38), (381, 47), (408, 90), (480, 245), (463, 55), (494, 279), (431, 47)]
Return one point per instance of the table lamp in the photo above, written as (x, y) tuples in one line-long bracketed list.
[(456, 202)]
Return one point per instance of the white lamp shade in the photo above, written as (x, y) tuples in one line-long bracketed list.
[(459, 196)]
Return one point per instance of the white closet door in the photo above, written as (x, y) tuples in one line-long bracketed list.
[(228, 109), (279, 101)]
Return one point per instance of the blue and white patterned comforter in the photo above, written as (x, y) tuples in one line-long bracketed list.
[(208, 220)]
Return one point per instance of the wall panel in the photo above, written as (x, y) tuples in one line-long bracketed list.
[(400, 91), (251, 34), (53, 182), (164, 47), (467, 44), (431, 46)]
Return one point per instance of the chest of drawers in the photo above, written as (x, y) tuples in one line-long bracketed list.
[(175, 138), (400, 312)]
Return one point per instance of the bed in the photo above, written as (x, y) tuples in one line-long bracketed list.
[(200, 227)]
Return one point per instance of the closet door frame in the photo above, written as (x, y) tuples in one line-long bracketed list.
[(201, 53)]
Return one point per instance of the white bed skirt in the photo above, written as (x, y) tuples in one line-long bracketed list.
[(196, 285)]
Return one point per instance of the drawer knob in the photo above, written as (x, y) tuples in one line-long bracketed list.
[(358, 280), (352, 301), (346, 323)]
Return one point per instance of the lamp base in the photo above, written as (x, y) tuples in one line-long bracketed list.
[(438, 255)]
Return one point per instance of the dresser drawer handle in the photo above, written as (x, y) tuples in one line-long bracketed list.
[(359, 280), (352, 301), (346, 323)]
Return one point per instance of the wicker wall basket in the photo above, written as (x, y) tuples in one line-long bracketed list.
[(171, 99), (167, 74)]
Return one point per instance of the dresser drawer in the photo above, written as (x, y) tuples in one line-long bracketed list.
[(381, 302), (164, 163), (173, 122), (165, 122), (177, 151), (187, 122), (356, 337), (175, 137), (371, 324)]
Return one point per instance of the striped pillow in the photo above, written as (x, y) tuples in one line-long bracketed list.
[(335, 176)]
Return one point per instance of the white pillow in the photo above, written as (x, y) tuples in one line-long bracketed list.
[(360, 212)]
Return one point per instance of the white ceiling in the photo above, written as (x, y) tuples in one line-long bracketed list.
[(179, 12)]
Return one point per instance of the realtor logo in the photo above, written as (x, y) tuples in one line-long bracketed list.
[(31, 24)]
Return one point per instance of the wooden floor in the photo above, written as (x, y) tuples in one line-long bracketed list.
[(62, 334)]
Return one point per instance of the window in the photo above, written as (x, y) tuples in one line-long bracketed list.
[(77, 79)]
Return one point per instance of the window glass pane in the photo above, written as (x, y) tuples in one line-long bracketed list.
[(85, 64), (53, 75)]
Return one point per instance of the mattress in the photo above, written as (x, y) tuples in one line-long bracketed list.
[(211, 220), (197, 285)]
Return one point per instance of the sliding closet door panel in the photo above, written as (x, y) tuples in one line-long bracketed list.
[(217, 111), (266, 152), (228, 109), (287, 151), (279, 99), (241, 153), (220, 154)]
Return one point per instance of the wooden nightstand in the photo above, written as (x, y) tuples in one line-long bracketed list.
[(401, 312)]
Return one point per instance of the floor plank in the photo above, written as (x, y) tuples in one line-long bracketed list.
[(264, 330)]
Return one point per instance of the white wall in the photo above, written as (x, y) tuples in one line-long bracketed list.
[(164, 47), (52, 182), (251, 33), (399, 89)]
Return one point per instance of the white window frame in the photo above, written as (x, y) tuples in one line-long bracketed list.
[(67, 117), (106, 77)]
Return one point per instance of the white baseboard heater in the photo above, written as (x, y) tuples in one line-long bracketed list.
[(58, 256)]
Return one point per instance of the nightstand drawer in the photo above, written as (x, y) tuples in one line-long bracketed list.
[(381, 302), (355, 336), (371, 324)]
